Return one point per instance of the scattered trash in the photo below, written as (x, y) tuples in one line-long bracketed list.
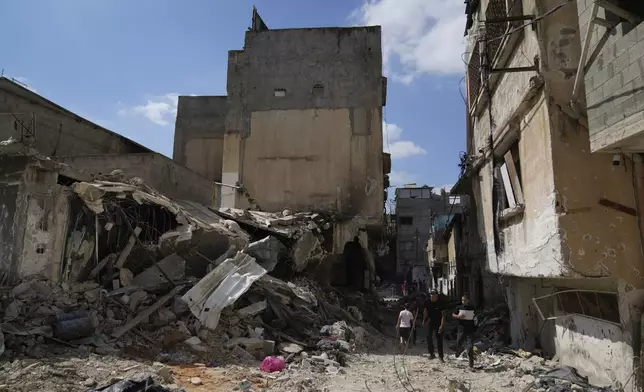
[(272, 364)]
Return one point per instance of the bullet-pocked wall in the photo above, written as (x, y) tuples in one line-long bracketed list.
[(304, 123), (57, 130), (199, 134)]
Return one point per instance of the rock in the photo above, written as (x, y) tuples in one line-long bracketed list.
[(269, 347), (174, 267), (255, 332), (107, 350), (290, 348), (195, 381), (162, 317), (195, 344), (233, 320), (13, 310), (252, 310), (166, 375), (136, 298), (242, 354), (180, 307), (249, 344), (126, 276), (355, 312), (203, 334), (110, 314), (339, 330), (176, 335), (330, 345), (90, 382), (235, 332), (528, 379), (359, 335), (92, 295)]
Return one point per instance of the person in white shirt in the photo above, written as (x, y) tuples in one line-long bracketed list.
[(404, 324)]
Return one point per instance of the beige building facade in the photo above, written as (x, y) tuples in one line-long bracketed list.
[(559, 222)]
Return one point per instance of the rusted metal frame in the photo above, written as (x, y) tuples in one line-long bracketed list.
[(535, 299)]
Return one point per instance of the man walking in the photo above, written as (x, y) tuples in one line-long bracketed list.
[(433, 316), (404, 325), (464, 313)]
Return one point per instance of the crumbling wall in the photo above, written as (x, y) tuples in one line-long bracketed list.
[(33, 219), (11, 221), (59, 132), (296, 117), (597, 240), (597, 349), (155, 169), (199, 134)]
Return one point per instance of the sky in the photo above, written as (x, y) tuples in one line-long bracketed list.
[(123, 63)]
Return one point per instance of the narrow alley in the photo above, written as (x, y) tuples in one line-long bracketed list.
[(277, 232)]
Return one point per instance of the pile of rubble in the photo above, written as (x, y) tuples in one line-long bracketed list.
[(176, 282)]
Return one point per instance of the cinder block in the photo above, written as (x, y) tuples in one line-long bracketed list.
[(612, 85), (631, 72), (600, 76), (621, 62), (614, 115), (637, 51), (595, 96), (631, 106)]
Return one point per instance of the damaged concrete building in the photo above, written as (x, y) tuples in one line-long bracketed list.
[(56, 132), (300, 129), (416, 207), (559, 223)]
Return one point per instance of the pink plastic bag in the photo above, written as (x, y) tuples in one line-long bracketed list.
[(272, 364)]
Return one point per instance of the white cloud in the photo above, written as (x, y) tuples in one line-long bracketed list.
[(400, 178), (161, 110), (425, 36), (398, 148)]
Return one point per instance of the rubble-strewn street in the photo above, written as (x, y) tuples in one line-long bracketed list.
[(296, 232)]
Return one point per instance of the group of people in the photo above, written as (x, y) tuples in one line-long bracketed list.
[(433, 316)]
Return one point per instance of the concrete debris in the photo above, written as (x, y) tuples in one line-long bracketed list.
[(171, 268), (181, 283), (267, 252), (252, 310)]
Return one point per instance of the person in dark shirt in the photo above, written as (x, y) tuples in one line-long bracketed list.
[(463, 313), (417, 308), (433, 315)]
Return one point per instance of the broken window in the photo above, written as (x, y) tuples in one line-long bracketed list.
[(279, 92), (318, 89), (510, 171), (595, 304), (618, 10), (403, 193), (406, 220)]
